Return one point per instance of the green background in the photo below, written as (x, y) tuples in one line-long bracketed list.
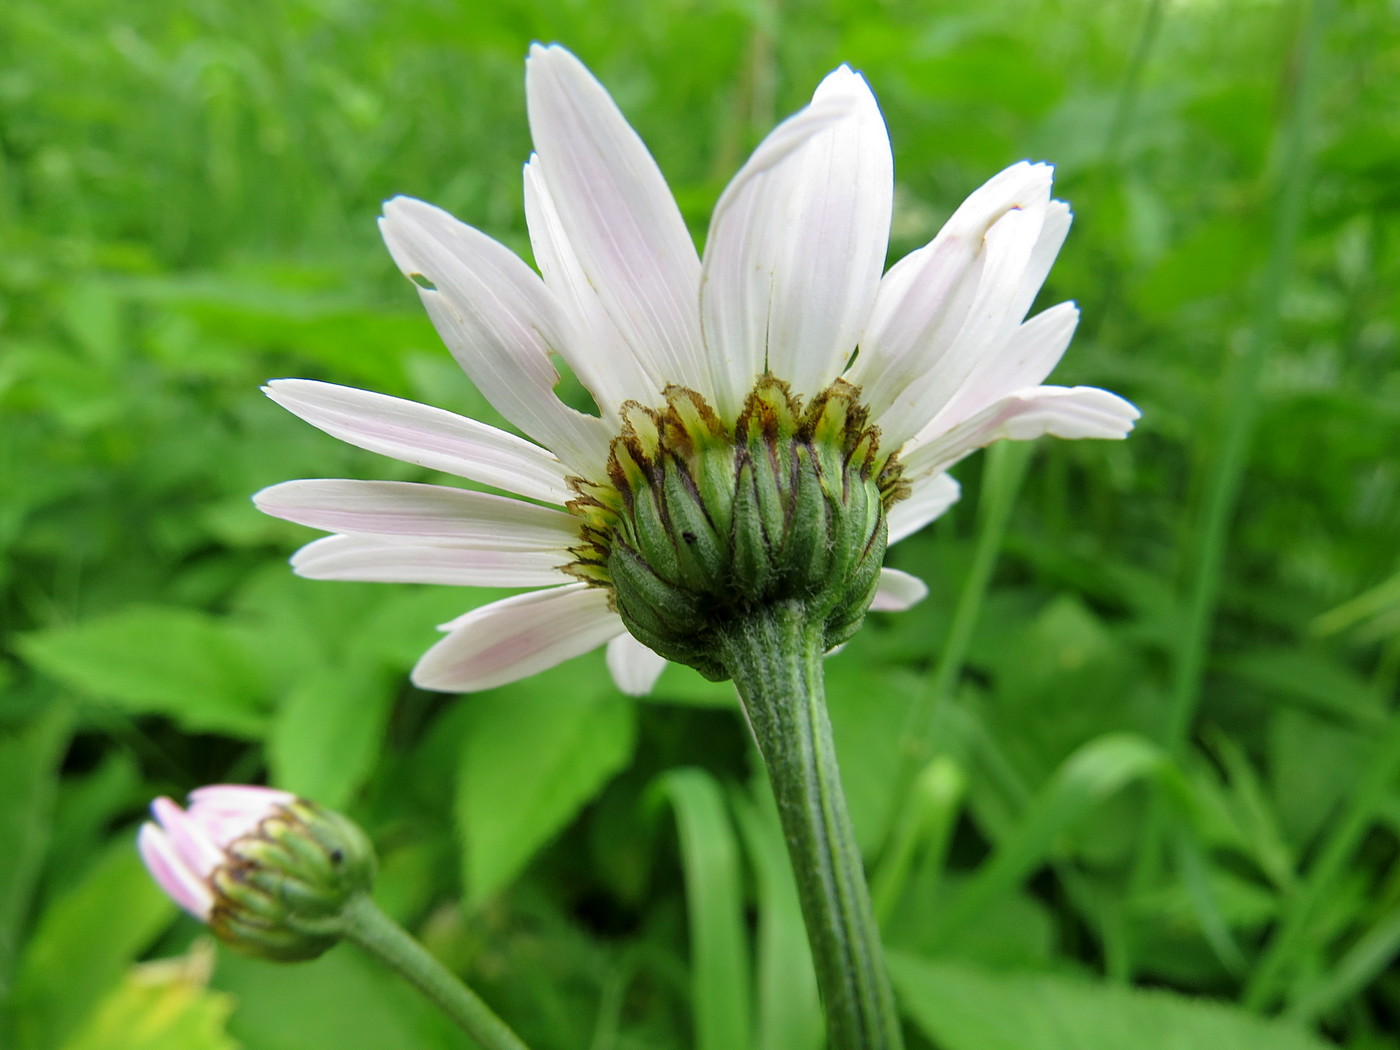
[(1146, 711)]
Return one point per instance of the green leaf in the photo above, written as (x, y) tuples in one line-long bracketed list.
[(161, 1006), (327, 734), (1090, 776), (29, 761), (789, 1010), (158, 660), (961, 1007), (1312, 766), (532, 755), (343, 1000), (1310, 680), (715, 903), (86, 939), (868, 705), (1362, 964)]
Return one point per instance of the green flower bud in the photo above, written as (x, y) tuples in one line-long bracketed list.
[(705, 521), (270, 873)]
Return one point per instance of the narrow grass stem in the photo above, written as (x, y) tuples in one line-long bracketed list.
[(1241, 395), (1006, 467), (369, 928), (1126, 108), (774, 656), (1241, 398), (1289, 942)]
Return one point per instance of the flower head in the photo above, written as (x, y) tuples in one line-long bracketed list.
[(769, 416), (268, 872)]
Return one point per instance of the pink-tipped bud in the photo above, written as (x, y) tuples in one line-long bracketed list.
[(268, 872)]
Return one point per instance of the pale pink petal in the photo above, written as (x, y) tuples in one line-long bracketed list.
[(898, 591), (633, 666), (372, 559), (1064, 412), (612, 369), (190, 841), (760, 265), (930, 498), (498, 319), (618, 214), (454, 517), (517, 637), (172, 874), (429, 437), (229, 811)]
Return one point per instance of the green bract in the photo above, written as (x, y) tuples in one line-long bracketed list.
[(281, 891), (703, 521)]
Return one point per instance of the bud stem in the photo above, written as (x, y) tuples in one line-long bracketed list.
[(774, 655), (369, 928)]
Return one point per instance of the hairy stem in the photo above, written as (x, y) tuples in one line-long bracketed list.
[(774, 656), (372, 930)]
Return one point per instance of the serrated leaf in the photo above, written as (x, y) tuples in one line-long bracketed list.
[(961, 1007), (532, 755), (158, 660)]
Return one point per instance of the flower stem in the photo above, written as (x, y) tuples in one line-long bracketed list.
[(369, 928), (774, 656)]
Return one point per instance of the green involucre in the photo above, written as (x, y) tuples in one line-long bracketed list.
[(284, 886), (703, 521)]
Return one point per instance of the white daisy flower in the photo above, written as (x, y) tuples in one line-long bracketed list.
[(786, 333)]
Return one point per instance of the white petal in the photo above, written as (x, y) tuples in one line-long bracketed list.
[(930, 498), (797, 244), (171, 873), (898, 591), (517, 637), (373, 560), (429, 437), (240, 798), (922, 310), (618, 214), (456, 517), (1053, 232), (1022, 185), (949, 356), (603, 360), (1023, 360), (633, 666), (1064, 412), (498, 319)]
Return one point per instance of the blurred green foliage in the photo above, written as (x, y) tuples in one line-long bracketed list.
[(1162, 752)]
